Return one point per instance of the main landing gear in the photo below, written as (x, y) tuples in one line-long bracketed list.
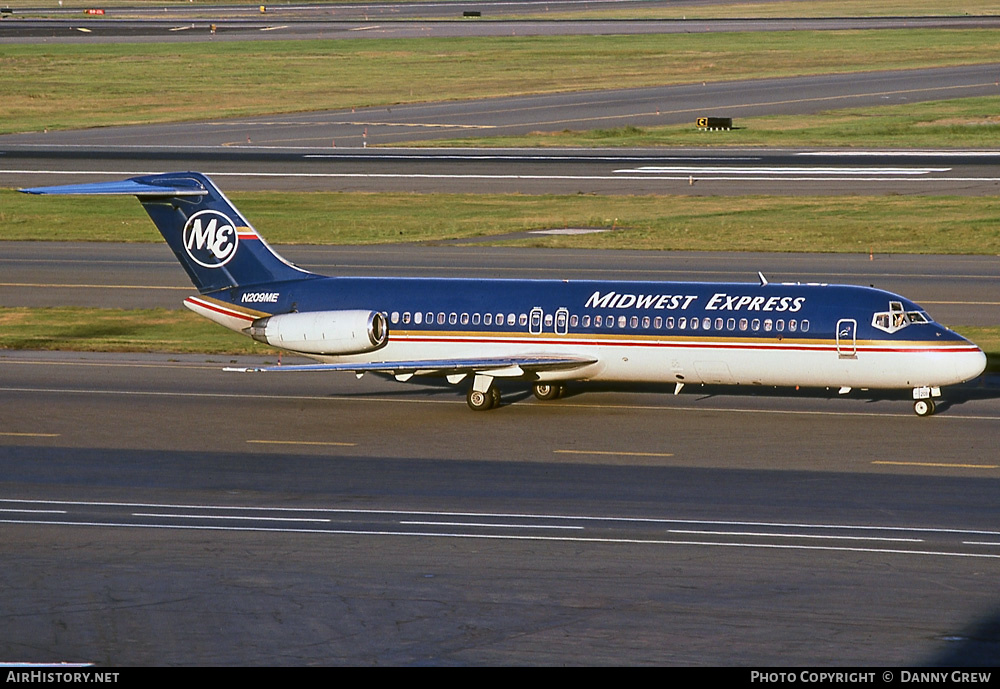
[(548, 391), (481, 401), (484, 395)]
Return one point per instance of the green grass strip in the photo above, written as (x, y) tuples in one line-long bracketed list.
[(841, 224), (968, 123), (119, 330)]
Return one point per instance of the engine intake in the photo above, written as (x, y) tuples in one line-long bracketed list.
[(323, 332)]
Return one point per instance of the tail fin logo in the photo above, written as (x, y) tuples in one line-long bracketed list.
[(210, 238)]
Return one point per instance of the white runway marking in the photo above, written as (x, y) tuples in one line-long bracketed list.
[(675, 174), (525, 407), (634, 530), (734, 170)]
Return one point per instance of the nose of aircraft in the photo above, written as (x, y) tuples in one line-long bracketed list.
[(957, 361), (970, 364)]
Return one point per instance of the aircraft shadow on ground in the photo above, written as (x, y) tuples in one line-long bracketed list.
[(982, 388), (978, 645)]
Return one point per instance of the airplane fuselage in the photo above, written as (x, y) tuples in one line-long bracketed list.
[(667, 332)]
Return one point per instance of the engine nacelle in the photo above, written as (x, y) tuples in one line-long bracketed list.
[(323, 332)]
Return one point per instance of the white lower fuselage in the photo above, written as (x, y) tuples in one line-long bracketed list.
[(807, 363)]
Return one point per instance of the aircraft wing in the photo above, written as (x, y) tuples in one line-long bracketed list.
[(453, 369)]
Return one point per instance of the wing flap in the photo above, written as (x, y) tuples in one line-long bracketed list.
[(499, 367)]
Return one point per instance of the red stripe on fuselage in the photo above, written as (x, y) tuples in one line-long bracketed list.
[(776, 346), (219, 309)]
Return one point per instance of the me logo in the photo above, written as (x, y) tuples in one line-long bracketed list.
[(210, 239)]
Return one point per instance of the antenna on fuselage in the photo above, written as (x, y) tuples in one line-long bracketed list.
[(763, 280)]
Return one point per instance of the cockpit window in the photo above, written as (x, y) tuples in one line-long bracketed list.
[(896, 318)]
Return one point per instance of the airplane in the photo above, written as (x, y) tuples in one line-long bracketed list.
[(544, 332)]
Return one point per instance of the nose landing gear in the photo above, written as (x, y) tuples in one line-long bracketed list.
[(923, 400)]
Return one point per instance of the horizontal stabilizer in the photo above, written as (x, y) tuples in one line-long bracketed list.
[(128, 187)]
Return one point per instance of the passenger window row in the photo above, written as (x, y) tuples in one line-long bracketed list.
[(610, 322)]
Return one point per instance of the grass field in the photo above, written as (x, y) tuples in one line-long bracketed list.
[(793, 8), (58, 86)]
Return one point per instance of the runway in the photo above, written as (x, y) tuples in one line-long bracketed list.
[(347, 151), (326, 519), (600, 171), (336, 521), (414, 20)]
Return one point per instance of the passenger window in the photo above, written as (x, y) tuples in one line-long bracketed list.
[(453, 318), (744, 324), (418, 317), (465, 319), (658, 322), (670, 323), (621, 322), (682, 323), (731, 324), (718, 324), (597, 321), (475, 318), (406, 317), (585, 321), (440, 317), (487, 319), (805, 326)]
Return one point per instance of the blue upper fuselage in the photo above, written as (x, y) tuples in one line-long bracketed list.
[(594, 307)]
